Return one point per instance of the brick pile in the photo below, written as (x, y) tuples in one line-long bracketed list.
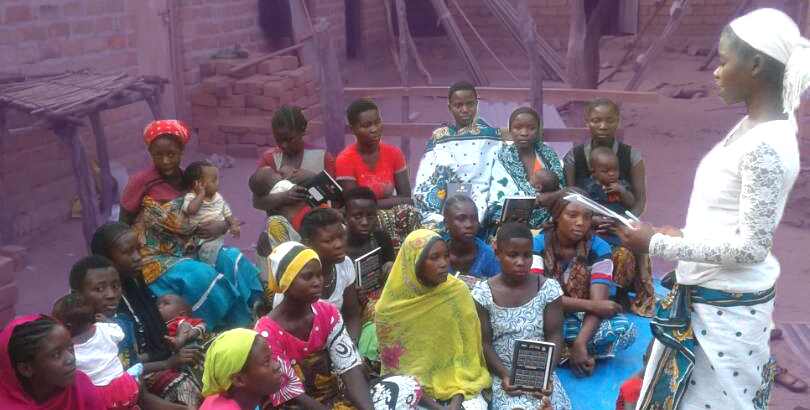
[(232, 114), (12, 260)]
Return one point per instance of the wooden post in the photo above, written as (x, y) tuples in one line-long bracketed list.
[(659, 4), (153, 101), (72, 142), (737, 13), (7, 235), (331, 89), (107, 181), (402, 19), (535, 65), (658, 45)]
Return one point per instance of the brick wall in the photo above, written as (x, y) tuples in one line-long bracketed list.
[(334, 11), (374, 39), (44, 36)]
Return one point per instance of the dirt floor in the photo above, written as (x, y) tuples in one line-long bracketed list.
[(672, 135)]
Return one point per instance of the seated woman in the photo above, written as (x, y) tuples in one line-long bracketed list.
[(633, 272), (311, 336), (516, 164), (469, 255), (427, 327), (381, 167), (137, 315), (38, 369), (323, 231), (516, 305), (292, 159), (152, 202), (580, 261)]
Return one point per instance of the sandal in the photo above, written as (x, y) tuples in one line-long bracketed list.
[(789, 381)]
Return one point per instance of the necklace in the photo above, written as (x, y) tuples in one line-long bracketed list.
[(332, 277)]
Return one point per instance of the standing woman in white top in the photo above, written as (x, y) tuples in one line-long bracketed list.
[(711, 333)]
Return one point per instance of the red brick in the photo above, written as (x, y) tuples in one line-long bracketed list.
[(252, 110), (241, 150), (233, 129), (15, 252), (8, 295), (301, 75), (313, 111), (222, 90), (200, 98), (245, 72), (208, 69), (288, 62), (117, 41), (6, 315), (59, 30), (17, 14), (233, 101), (209, 85), (211, 148), (6, 270), (270, 66), (223, 67)]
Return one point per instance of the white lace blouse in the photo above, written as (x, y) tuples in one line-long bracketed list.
[(737, 201)]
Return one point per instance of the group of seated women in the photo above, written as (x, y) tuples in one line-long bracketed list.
[(424, 338)]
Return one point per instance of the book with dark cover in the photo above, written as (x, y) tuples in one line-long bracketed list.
[(517, 208), (369, 271), (322, 188), (531, 364), (456, 188)]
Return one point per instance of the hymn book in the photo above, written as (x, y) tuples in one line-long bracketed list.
[(369, 271), (322, 188), (517, 209), (531, 364)]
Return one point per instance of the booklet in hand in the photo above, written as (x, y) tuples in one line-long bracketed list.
[(531, 364), (456, 188), (323, 188), (369, 271), (595, 207), (517, 209), (468, 280)]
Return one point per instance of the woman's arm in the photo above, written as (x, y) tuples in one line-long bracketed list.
[(351, 311), (762, 174), (357, 390), (127, 217), (552, 328), (493, 361), (570, 176), (638, 184), (403, 186), (150, 401)]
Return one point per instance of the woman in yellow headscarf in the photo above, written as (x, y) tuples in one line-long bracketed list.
[(428, 328), (310, 335)]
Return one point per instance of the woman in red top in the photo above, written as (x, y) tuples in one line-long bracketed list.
[(381, 167)]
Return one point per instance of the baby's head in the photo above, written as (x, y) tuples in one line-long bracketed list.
[(544, 180), (171, 306), (205, 173), (604, 165), (75, 312), (262, 180)]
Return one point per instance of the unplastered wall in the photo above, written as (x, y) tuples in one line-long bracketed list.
[(49, 36)]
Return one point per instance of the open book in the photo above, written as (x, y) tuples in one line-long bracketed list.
[(323, 188), (369, 271), (517, 209), (468, 280), (531, 364), (595, 207)]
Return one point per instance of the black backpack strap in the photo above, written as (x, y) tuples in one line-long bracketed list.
[(581, 170), (625, 164)]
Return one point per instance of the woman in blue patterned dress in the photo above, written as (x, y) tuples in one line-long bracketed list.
[(516, 305)]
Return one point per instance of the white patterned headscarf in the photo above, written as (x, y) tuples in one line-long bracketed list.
[(773, 33)]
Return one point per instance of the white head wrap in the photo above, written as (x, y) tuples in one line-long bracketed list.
[(773, 33)]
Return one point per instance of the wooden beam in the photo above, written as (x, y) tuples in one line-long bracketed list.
[(475, 72), (737, 12), (303, 32), (424, 130), (331, 89), (103, 153), (238, 68), (556, 95), (74, 146), (658, 45), (535, 63), (7, 235)]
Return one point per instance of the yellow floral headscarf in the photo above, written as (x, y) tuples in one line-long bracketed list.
[(225, 357), (430, 333), (285, 263)]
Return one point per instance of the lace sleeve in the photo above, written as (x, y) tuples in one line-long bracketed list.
[(762, 174)]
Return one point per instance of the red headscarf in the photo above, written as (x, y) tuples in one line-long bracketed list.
[(81, 395), (163, 127)]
